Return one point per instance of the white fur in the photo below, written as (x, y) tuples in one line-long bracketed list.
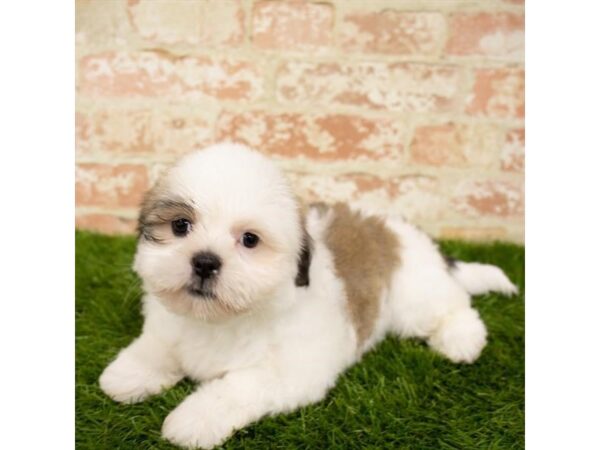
[(278, 346), (479, 278)]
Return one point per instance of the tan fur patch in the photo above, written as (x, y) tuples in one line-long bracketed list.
[(365, 253), (158, 210)]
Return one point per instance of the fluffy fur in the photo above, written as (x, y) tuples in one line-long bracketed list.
[(279, 322)]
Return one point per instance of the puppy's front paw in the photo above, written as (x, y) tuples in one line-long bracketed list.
[(128, 380), (193, 425)]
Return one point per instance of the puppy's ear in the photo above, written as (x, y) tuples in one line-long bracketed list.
[(144, 226), (304, 260)]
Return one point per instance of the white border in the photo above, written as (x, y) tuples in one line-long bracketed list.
[(36, 224), (562, 225)]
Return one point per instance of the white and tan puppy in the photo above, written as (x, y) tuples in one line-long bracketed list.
[(265, 306)]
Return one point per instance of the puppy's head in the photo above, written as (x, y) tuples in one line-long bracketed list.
[(220, 234)]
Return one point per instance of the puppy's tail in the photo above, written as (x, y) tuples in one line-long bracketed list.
[(479, 278)]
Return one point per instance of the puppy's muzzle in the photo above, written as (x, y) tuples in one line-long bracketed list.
[(206, 265)]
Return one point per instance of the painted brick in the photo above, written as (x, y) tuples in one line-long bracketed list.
[(205, 23), (156, 170), (161, 74), (419, 198), (513, 151), (498, 93), (402, 87), (315, 136), (393, 32), (161, 131), (83, 133), (110, 185), (489, 198), (157, 78), (105, 223), (473, 233), (415, 197), (488, 34), (457, 145), (101, 24), (294, 25)]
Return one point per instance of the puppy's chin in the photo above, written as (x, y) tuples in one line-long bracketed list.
[(239, 288), (217, 301), (199, 303)]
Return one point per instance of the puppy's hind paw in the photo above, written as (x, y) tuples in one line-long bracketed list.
[(460, 337)]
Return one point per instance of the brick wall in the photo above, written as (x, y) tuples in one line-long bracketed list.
[(405, 106)]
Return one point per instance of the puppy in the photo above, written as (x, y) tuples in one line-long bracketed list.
[(265, 305)]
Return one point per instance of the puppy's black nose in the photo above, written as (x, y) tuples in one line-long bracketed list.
[(206, 264)]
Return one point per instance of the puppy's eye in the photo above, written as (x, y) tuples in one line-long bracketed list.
[(181, 227), (250, 240)]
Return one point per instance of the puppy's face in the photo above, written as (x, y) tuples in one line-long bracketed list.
[(220, 234)]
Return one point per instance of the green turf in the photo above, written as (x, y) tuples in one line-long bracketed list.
[(400, 396)]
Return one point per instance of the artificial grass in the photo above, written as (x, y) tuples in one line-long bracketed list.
[(400, 396)]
